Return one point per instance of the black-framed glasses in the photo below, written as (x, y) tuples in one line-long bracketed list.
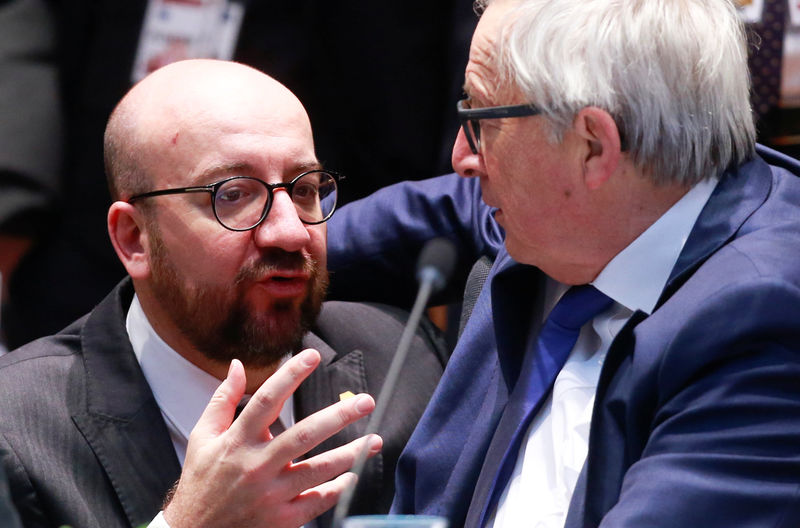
[(470, 118), (240, 203)]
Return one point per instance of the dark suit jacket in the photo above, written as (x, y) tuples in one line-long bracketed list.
[(84, 442), (697, 412), (8, 514)]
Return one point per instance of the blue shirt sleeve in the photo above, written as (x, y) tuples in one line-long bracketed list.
[(373, 243)]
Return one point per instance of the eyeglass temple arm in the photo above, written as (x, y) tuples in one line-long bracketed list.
[(162, 192)]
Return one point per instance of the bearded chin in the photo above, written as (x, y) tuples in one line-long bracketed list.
[(222, 325), (262, 338)]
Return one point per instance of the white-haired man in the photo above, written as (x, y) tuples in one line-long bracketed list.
[(613, 147)]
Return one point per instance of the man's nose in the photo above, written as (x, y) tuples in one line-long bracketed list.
[(464, 161), (282, 227)]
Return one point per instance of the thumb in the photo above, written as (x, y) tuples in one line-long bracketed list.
[(218, 414)]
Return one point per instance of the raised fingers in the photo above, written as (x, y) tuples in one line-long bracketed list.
[(315, 471), (218, 414), (314, 502), (265, 405), (311, 431)]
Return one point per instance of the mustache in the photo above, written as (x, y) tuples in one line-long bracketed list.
[(276, 260)]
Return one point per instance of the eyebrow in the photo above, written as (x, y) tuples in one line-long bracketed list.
[(247, 169), (466, 88), (303, 167), (209, 174)]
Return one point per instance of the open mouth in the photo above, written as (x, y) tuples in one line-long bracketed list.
[(284, 285)]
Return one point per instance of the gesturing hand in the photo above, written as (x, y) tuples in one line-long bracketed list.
[(237, 474)]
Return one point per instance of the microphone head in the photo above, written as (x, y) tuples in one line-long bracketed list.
[(436, 262)]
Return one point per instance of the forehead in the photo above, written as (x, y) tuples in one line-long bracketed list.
[(202, 142), (481, 78)]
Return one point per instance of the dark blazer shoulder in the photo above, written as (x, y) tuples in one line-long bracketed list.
[(26, 373), (348, 325), (78, 423)]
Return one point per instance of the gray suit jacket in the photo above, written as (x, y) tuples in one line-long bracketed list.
[(84, 442), (8, 515)]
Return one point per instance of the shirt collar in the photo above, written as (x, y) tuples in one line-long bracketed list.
[(181, 389), (636, 277)]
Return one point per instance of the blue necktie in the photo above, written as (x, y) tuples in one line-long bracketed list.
[(558, 335)]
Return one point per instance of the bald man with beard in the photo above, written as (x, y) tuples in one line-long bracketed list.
[(219, 219)]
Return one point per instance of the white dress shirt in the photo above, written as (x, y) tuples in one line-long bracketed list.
[(181, 390), (553, 453)]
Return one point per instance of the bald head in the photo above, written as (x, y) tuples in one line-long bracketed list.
[(176, 103)]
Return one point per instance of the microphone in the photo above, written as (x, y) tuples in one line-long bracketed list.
[(435, 264), (434, 267)]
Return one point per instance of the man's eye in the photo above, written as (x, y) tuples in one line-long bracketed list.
[(232, 195), (305, 191)]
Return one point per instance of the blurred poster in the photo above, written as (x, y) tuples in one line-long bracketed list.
[(790, 71), (751, 11), (794, 13), (174, 30)]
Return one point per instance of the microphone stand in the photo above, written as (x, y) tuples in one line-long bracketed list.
[(425, 290)]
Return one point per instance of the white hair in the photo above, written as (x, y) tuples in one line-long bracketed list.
[(672, 73)]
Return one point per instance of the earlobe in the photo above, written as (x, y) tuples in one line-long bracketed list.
[(603, 152), (128, 236)]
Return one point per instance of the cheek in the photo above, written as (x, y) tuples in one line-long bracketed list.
[(529, 207), (213, 258), (317, 246)]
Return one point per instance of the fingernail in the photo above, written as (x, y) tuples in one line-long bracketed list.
[(375, 443), (364, 405), (230, 368), (308, 359)]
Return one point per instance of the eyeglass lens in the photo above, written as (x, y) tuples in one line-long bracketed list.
[(472, 128), (241, 203), (473, 131)]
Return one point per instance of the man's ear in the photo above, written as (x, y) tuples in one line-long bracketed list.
[(599, 130), (126, 228)]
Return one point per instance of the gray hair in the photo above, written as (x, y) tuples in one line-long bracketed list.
[(672, 73)]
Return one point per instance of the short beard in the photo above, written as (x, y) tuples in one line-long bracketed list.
[(218, 321)]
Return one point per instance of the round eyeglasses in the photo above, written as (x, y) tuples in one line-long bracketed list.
[(241, 203)]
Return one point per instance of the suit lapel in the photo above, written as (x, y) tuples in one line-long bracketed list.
[(467, 405), (737, 196), (338, 373), (119, 417), (517, 316), (599, 483)]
